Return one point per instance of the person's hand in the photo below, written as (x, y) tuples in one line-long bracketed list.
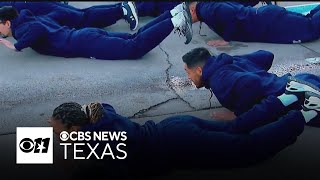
[(223, 115), (7, 43), (217, 43)]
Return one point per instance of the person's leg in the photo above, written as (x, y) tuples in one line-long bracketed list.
[(104, 46), (154, 9), (289, 27), (152, 35), (146, 9), (95, 16), (187, 143), (101, 17), (155, 21), (222, 149)]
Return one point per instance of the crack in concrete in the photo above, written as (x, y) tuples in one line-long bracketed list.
[(149, 108), (309, 49), (168, 82), (8, 133)]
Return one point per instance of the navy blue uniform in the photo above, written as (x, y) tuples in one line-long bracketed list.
[(96, 16), (48, 37), (271, 24), (187, 141), (240, 82), (154, 9)]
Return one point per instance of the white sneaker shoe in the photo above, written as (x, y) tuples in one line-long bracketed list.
[(182, 25), (300, 87), (312, 103), (176, 9)]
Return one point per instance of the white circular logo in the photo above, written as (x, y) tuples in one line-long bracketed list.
[(64, 136)]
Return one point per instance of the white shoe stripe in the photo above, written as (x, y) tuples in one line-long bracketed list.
[(134, 13), (300, 87)]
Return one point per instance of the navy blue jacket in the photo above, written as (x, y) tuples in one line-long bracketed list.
[(43, 35), (239, 82), (229, 20), (142, 144)]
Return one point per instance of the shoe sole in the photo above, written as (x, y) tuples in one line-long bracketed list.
[(310, 87), (189, 22), (134, 13), (312, 97)]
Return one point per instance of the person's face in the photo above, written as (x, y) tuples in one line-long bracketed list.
[(194, 74), (57, 126), (5, 29)]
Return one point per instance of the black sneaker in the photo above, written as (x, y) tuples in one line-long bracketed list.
[(300, 87), (188, 17), (312, 103), (130, 14)]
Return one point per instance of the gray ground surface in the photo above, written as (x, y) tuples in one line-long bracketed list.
[(153, 87)]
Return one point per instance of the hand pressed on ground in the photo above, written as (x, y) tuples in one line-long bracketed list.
[(7, 43), (217, 43)]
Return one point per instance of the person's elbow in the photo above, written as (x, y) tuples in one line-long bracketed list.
[(18, 47)]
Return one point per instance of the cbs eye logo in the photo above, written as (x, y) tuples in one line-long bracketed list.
[(38, 145)]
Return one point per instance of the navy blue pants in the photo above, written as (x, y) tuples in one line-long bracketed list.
[(254, 136), (96, 16), (100, 44), (270, 24), (154, 9)]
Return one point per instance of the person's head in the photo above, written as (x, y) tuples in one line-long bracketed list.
[(72, 116), (193, 12), (7, 14), (194, 62)]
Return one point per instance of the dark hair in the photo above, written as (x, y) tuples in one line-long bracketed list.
[(73, 114), (8, 13), (196, 57)]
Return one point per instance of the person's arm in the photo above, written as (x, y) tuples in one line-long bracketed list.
[(263, 59), (108, 107), (7, 43), (34, 33), (267, 111), (217, 43), (227, 22)]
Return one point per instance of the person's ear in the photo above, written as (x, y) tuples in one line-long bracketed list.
[(192, 10), (8, 24), (199, 70)]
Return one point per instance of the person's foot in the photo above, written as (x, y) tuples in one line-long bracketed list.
[(300, 87), (312, 103), (177, 9), (182, 25), (130, 13)]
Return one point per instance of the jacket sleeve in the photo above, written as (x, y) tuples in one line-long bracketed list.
[(31, 35), (263, 59), (108, 107)]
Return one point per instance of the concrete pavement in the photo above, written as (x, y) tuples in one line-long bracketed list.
[(152, 87)]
